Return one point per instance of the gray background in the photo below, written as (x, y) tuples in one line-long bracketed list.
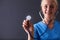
[(12, 14)]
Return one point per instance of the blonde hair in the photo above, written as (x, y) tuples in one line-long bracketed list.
[(54, 1)]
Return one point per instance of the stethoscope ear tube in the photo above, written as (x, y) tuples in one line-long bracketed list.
[(40, 15)]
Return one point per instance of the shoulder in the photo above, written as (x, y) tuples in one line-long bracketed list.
[(40, 26), (37, 24), (57, 26), (57, 23)]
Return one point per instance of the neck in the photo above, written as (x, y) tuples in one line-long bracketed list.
[(49, 23)]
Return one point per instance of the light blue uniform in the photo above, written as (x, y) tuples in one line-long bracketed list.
[(42, 32)]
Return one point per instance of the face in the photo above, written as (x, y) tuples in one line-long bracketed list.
[(49, 9)]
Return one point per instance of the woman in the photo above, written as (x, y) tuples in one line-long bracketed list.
[(46, 29)]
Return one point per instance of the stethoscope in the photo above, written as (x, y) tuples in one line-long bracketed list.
[(29, 18)]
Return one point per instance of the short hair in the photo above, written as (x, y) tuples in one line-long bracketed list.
[(55, 1)]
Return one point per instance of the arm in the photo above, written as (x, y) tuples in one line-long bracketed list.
[(29, 29), (29, 37)]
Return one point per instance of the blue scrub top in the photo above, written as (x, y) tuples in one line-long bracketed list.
[(42, 32)]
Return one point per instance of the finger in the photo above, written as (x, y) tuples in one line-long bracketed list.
[(25, 22), (24, 27)]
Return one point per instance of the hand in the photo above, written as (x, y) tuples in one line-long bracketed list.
[(28, 27)]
